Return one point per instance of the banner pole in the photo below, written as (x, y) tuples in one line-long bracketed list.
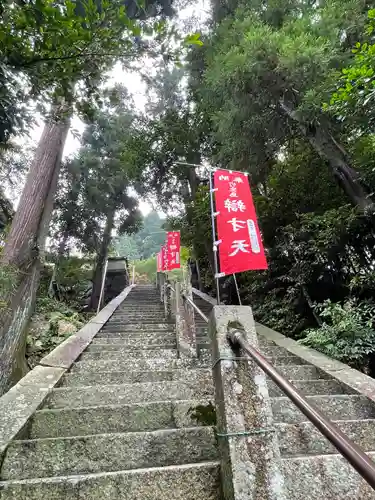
[(237, 289), (214, 239)]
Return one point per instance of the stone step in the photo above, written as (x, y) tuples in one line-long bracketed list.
[(107, 452), (328, 477), (274, 351), (312, 387), (305, 439), (74, 397), (286, 360), (154, 327), (146, 300), (301, 372), (145, 317), (121, 347), (133, 323), (165, 354), (180, 482), (340, 407), (131, 377), (114, 418), (137, 335), (140, 304), (264, 342), (136, 340), (147, 310), (124, 364)]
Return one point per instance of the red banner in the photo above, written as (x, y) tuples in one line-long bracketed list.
[(164, 258), (240, 244), (159, 263), (173, 250)]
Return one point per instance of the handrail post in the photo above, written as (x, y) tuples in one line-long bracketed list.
[(167, 298), (248, 444), (161, 286), (185, 326)]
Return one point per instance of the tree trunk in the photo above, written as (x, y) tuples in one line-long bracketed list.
[(24, 251), (100, 261), (328, 149)]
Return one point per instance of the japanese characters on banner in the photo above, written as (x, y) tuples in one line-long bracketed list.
[(240, 244), (173, 250), (164, 258)]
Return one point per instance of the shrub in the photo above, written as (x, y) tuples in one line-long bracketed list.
[(347, 333)]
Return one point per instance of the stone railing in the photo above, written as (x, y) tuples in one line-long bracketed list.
[(174, 295)]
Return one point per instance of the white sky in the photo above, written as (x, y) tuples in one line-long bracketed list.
[(195, 14)]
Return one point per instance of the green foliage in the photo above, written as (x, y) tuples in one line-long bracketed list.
[(52, 323), (354, 98), (347, 332), (63, 48), (193, 39), (95, 183), (145, 242), (146, 269)]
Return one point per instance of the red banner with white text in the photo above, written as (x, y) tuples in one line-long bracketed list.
[(164, 258), (173, 250), (240, 245)]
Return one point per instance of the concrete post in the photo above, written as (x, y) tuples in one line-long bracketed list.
[(167, 298), (173, 299), (161, 286), (187, 313), (249, 450)]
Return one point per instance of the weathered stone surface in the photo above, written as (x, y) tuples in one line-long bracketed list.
[(304, 438), (127, 377), (274, 351), (330, 367), (19, 404), (122, 348), (66, 353), (124, 364), (137, 335), (327, 477), (134, 341), (251, 464), (153, 327), (185, 324), (343, 407), (184, 482), (108, 452), (114, 418), (75, 397), (124, 354), (197, 293), (312, 387), (301, 372)]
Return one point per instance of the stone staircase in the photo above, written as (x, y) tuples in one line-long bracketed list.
[(311, 466), (121, 425), (126, 421)]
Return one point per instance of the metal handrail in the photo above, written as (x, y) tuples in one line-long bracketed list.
[(194, 306), (344, 445), (348, 449)]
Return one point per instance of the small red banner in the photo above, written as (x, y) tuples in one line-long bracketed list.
[(239, 241), (164, 258), (173, 250)]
